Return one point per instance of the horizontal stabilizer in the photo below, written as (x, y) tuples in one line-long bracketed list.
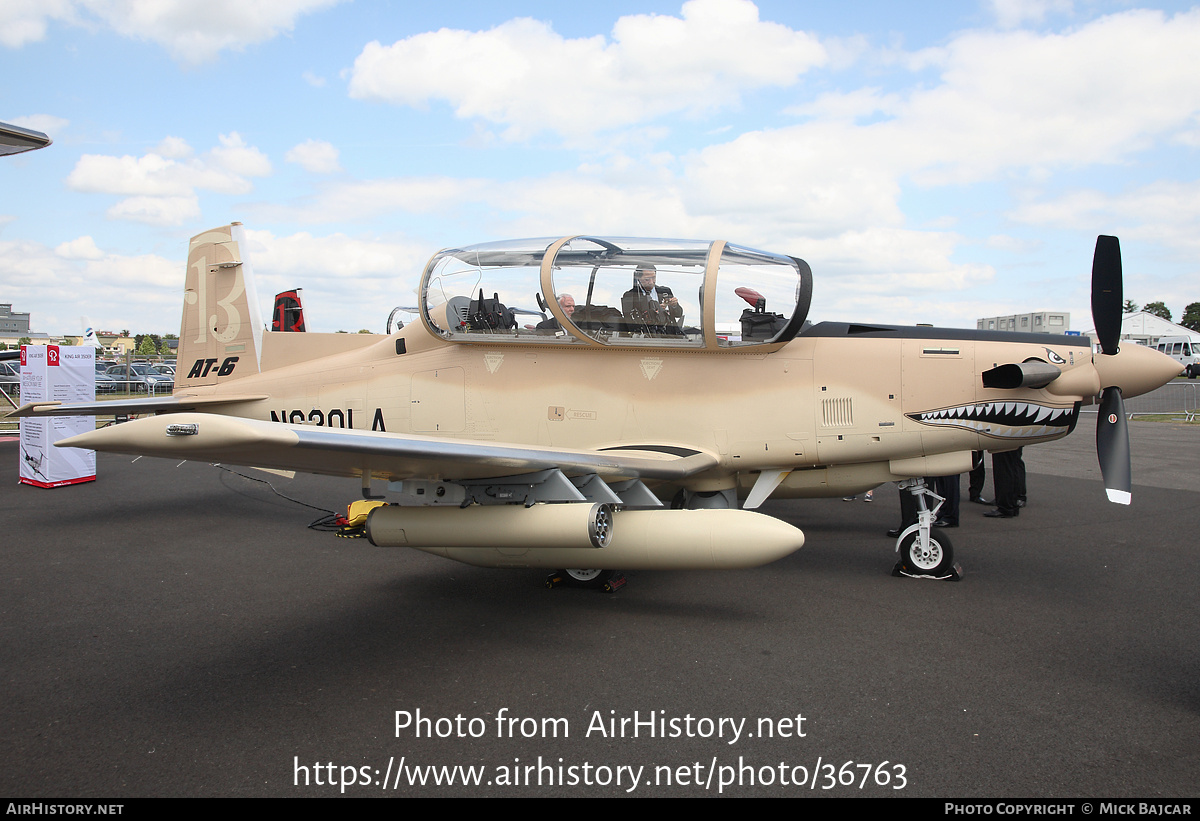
[(152, 404)]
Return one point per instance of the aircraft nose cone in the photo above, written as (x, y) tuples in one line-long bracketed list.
[(1135, 369)]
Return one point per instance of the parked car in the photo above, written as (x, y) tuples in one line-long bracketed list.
[(104, 382), (142, 377), (10, 378)]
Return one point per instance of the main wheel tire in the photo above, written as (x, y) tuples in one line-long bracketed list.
[(938, 560), (588, 577)]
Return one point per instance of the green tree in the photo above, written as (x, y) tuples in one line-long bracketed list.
[(146, 347), (364, 331), (1129, 307), (24, 341), (1158, 309), (1191, 316)]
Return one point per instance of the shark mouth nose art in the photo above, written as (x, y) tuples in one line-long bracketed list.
[(1006, 420)]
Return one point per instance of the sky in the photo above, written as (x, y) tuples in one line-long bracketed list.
[(933, 162)]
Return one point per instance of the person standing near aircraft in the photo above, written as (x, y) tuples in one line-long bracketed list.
[(978, 476), (648, 306), (948, 488), (1008, 470)]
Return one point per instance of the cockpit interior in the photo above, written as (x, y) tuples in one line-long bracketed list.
[(615, 292)]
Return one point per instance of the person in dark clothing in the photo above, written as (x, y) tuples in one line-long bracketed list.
[(567, 303), (1021, 493), (649, 307), (950, 489), (1007, 480), (978, 478)]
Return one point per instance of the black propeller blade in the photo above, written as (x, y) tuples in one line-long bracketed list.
[(1112, 446), (1112, 428), (1108, 299)]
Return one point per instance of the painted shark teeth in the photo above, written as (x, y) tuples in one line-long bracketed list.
[(1007, 420)]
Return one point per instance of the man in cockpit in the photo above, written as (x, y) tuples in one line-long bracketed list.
[(650, 307), (567, 303)]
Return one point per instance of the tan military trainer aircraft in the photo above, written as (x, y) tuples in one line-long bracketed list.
[(555, 392)]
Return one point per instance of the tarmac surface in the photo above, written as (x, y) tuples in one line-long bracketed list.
[(176, 630)]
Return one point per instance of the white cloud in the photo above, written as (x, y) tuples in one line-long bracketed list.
[(25, 21), (157, 210), (145, 269), (1004, 242), (161, 185), (384, 274), (316, 156), (420, 195), (191, 32), (46, 123), (150, 175), (114, 290), (1007, 104), (1166, 212), (80, 248), (235, 156), (524, 76), (334, 255), (1092, 95), (1011, 13), (174, 148)]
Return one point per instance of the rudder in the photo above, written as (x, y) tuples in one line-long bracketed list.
[(220, 335)]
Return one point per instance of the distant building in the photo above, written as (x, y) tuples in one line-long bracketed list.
[(1040, 322), (1146, 329), (13, 323)]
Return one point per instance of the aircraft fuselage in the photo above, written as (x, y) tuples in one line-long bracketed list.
[(834, 409)]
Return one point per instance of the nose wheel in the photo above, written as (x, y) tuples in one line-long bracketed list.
[(934, 559), (925, 554)]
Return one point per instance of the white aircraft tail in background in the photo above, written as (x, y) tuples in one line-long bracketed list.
[(89, 334)]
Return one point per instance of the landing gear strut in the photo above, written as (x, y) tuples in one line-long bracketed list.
[(610, 581), (923, 553)]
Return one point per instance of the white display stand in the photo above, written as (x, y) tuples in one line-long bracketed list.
[(63, 374)]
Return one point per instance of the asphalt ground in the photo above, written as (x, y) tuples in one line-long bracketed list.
[(177, 630)]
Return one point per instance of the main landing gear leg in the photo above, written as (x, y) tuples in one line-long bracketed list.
[(923, 553), (610, 581)]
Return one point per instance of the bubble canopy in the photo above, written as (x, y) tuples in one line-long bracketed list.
[(616, 292)]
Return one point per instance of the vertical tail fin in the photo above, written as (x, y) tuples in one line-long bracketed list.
[(288, 315), (89, 334), (220, 337)]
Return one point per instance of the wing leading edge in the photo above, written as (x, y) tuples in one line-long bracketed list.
[(255, 443)]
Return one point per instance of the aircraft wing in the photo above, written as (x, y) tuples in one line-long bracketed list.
[(151, 404), (343, 452), (14, 139)]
